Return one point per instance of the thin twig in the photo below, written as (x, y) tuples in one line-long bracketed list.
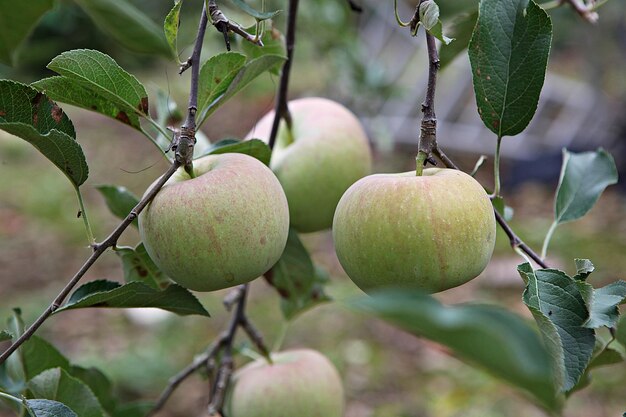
[(428, 128), (281, 110), (585, 11), (98, 250), (224, 25), (355, 7)]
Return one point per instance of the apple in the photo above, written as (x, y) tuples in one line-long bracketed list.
[(326, 151), (430, 232), (225, 227), (298, 383)]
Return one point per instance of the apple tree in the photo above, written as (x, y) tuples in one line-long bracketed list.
[(228, 212)]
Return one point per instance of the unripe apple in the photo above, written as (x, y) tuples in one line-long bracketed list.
[(326, 152), (299, 383), (225, 227), (430, 232)]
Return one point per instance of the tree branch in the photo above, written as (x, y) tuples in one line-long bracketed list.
[(354, 6), (98, 250), (281, 110), (224, 25)]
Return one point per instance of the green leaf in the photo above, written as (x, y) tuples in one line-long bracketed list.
[(138, 409), (584, 268), (48, 408), (101, 74), (127, 25), (259, 16), (56, 384), (509, 53), (32, 116), (12, 374), (216, 75), (139, 267), (108, 294), (119, 200), (99, 384), (460, 30), (273, 44), (253, 147), (170, 27), (17, 20), (603, 305), (39, 355), (620, 331), (76, 93), (4, 336), (560, 311), (429, 17), (487, 336), (245, 76), (296, 279), (584, 176)]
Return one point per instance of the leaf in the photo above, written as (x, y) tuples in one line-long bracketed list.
[(584, 267), (17, 20), (603, 305), (101, 74), (119, 200), (4, 336), (137, 409), (39, 355), (253, 147), (584, 176), (30, 115), (259, 16), (216, 75), (170, 27), (56, 384), (12, 374), (99, 384), (102, 293), (67, 90), (487, 336), (560, 311), (429, 17), (295, 278), (509, 53), (245, 76), (273, 44), (620, 331), (139, 267), (127, 25), (460, 30), (48, 408)]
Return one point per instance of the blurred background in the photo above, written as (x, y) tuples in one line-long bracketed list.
[(367, 62)]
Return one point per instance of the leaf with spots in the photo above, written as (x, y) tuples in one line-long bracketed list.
[(17, 20), (509, 53), (32, 116), (109, 294), (138, 266), (216, 75), (101, 74), (296, 279), (67, 90)]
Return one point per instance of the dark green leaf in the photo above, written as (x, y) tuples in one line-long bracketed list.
[(119, 200), (296, 279), (509, 53), (603, 305), (139, 267), (583, 178), (259, 16), (560, 310), (30, 115), (110, 294), (4, 336), (17, 20), (39, 355), (429, 18), (490, 337), (245, 76), (253, 147), (127, 25), (101, 74), (170, 27), (460, 30), (139, 409), (273, 44), (56, 384), (48, 408), (216, 75), (99, 384), (74, 92)]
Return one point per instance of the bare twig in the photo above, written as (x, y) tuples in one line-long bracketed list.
[(98, 250), (281, 110), (224, 25)]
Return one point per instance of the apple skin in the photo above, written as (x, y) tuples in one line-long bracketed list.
[(299, 383), (430, 232), (327, 152), (225, 227)]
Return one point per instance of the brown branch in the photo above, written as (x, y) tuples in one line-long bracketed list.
[(225, 26), (98, 250)]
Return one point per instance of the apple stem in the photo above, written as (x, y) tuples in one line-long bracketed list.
[(496, 170), (420, 160)]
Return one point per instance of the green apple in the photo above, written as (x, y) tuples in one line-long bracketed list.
[(299, 383), (429, 232), (326, 151), (225, 227)]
